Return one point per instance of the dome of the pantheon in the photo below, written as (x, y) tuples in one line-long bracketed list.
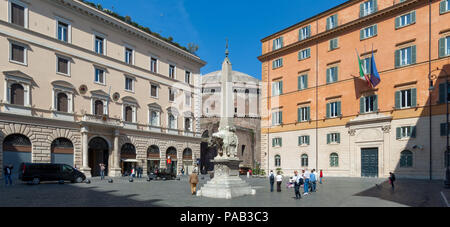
[(238, 77)]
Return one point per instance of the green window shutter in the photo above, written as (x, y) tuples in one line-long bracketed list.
[(273, 142), (413, 17), (309, 30), (328, 110), (299, 143), (273, 44), (308, 52), (308, 113), (361, 34), (299, 114), (307, 140), (397, 100), (281, 87), (443, 129), (281, 40), (339, 109), (361, 10), (442, 93), (397, 22), (328, 75), (281, 118), (442, 7), (336, 19), (413, 54), (273, 89), (375, 103), (299, 82), (336, 76), (442, 47), (375, 5), (361, 105), (300, 36), (399, 132), (397, 58), (273, 64), (414, 97), (328, 138), (413, 131), (375, 30), (338, 137), (281, 142), (328, 23)]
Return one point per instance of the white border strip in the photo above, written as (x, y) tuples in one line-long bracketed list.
[(445, 199)]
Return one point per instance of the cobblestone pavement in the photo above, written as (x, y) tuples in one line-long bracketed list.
[(335, 192)]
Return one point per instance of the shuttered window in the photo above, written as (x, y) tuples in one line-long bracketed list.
[(304, 160), (129, 56), (303, 114), (444, 47), (277, 118), (128, 114), (277, 63), (303, 140), (277, 161), (334, 160), (333, 138), (303, 82), (304, 54), (63, 66), (333, 44), (406, 98), (304, 33), (405, 20), (18, 53), (369, 104), (277, 43), (99, 76), (406, 132), (444, 93), (444, 6), (368, 32), (99, 45), (333, 109), (62, 104), (18, 15), (367, 8), (277, 88), (406, 159), (332, 22), (17, 95), (277, 142), (332, 75), (405, 56), (153, 91), (98, 107)]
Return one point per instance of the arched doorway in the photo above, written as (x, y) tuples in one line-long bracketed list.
[(128, 158), (188, 163), (153, 159), (171, 154), (62, 151), (16, 149), (98, 153)]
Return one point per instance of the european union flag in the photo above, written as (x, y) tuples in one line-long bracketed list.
[(374, 76)]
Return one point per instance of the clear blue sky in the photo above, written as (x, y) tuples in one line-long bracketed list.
[(209, 22)]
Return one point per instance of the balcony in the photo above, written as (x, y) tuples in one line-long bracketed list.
[(102, 120)]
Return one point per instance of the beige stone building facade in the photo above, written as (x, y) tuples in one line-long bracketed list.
[(82, 87)]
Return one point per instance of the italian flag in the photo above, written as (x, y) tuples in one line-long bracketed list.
[(362, 73)]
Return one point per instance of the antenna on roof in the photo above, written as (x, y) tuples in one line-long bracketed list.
[(226, 50)]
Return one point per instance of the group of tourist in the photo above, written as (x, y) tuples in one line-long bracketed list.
[(307, 179)]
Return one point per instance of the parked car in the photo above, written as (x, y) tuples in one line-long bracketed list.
[(36, 173), (163, 173)]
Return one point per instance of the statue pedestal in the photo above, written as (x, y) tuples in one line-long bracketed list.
[(226, 183)]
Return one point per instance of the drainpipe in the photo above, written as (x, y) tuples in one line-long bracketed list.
[(431, 86)]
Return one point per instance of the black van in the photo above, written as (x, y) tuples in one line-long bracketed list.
[(36, 173)]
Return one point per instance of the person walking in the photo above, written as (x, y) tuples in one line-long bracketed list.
[(312, 180), (279, 178), (391, 179), (133, 171), (8, 172), (316, 174), (102, 171), (193, 181), (306, 177), (271, 180), (182, 171), (321, 176), (298, 180)]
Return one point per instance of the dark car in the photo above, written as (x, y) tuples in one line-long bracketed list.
[(163, 174), (36, 173)]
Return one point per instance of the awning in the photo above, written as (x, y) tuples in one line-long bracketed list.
[(130, 160)]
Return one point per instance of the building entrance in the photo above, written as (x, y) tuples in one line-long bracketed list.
[(98, 153), (369, 162)]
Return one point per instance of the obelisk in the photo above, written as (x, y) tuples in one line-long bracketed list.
[(226, 183)]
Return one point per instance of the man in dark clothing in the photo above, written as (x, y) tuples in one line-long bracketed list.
[(297, 183), (271, 180), (391, 180), (7, 173)]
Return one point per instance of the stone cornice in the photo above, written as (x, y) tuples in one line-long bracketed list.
[(110, 20), (360, 22)]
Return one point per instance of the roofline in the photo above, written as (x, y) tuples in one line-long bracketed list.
[(310, 19), (145, 34)]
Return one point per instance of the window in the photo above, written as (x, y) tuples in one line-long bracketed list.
[(333, 109), (334, 160), (129, 84), (277, 118), (406, 132), (332, 75), (277, 63), (444, 47), (366, 65), (333, 44), (277, 88), (187, 77), (304, 54), (154, 90), (303, 140), (444, 6), (171, 94), (369, 104), (153, 64), (303, 82), (367, 8), (304, 160), (63, 31), (404, 20), (188, 99), (305, 32), (444, 129), (99, 45), (406, 159), (369, 32), (172, 71), (187, 124), (18, 14), (128, 114), (303, 114), (62, 102), (172, 121), (277, 142), (277, 43), (154, 118), (332, 22), (62, 66), (405, 56), (99, 76), (277, 161), (18, 53), (17, 94), (129, 56), (333, 138), (406, 98), (98, 108)]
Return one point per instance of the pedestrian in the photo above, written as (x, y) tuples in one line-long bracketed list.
[(193, 180), (8, 172), (316, 174), (182, 171), (298, 180), (391, 179), (102, 171), (75, 167), (306, 177), (271, 180), (133, 171), (250, 171), (279, 181), (312, 180), (248, 174), (321, 176)]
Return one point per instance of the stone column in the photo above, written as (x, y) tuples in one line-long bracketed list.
[(84, 139), (116, 170)]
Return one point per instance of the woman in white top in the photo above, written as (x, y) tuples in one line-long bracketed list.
[(279, 179)]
